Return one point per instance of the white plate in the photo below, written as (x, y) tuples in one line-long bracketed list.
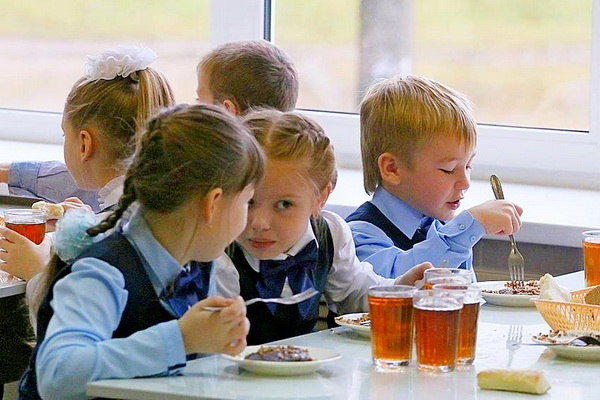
[(591, 353), (507, 300), (361, 330), (284, 368)]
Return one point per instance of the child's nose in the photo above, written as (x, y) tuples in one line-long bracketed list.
[(464, 181), (259, 221)]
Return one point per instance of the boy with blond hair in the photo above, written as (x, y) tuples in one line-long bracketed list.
[(248, 74), (418, 140)]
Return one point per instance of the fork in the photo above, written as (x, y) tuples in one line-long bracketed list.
[(513, 341), (297, 298), (516, 263)]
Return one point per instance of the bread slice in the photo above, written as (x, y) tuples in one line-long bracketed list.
[(593, 296), (514, 380), (53, 211)]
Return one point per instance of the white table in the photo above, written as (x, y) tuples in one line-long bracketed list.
[(353, 377)]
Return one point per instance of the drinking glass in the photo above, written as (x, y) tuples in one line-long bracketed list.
[(391, 313), (436, 329), (29, 223), (467, 320), (434, 276), (591, 257)]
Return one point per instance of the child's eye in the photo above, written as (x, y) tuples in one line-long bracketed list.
[(250, 202), (283, 204), (446, 171)]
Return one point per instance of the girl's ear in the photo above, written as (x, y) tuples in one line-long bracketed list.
[(210, 204), (390, 169), (231, 107), (322, 198), (86, 145)]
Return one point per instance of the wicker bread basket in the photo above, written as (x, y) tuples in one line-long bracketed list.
[(568, 316)]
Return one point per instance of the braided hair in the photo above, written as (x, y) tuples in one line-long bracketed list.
[(293, 136)]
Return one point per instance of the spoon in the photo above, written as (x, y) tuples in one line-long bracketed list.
[(579, 341)]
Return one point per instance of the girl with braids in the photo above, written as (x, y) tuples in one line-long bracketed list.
[(289, 243), (104, 112), (131, 304)]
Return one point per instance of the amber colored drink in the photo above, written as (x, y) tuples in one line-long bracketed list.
[(591, 262), (436, 319), (34, 232), (391, 312), (436, 338), (467, 332), (391, 328)]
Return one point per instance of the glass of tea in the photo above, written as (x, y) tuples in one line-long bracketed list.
[(29, 223), (435, 276), (391, 312), (436, 319), (591, 257), (467, 319)]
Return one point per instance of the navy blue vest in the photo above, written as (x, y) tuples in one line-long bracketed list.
[(286, 322), (143, 308), (370, 213)]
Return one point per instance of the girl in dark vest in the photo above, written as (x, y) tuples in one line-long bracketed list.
[(289, 243), (131, 304)]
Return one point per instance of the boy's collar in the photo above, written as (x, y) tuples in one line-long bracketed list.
[(402, 215)]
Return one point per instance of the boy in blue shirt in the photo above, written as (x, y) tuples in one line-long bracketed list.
[(418, 140)]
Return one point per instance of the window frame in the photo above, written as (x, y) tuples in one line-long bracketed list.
[(523, 155)]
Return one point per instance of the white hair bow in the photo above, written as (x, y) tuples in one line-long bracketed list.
[(122, 61)]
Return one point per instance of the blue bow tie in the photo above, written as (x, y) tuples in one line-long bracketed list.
[(296, 269), (190, 286)]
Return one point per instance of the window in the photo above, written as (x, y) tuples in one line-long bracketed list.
[(44, 50), (531, 68)]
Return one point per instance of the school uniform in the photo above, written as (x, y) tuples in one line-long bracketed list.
[(48, 180), (394, 237), (94, 301), (336, 273)]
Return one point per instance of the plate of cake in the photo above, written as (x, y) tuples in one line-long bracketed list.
[(283, 360), (504, 293), (570, 351), (358, 322)]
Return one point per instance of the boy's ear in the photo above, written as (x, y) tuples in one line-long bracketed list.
[(210, 204), (86, 145), (231, 107), (323, 197), (390, 168)]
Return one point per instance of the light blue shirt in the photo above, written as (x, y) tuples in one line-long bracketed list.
[(452, 241), (88, 304), (48, 180)]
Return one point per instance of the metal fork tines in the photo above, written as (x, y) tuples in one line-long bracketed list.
[(516, 262), (297, 298), (513, 341)]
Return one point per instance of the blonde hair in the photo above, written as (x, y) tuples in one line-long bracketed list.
[(292, 136), (118, 108), (251, 73), (401, 115)]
